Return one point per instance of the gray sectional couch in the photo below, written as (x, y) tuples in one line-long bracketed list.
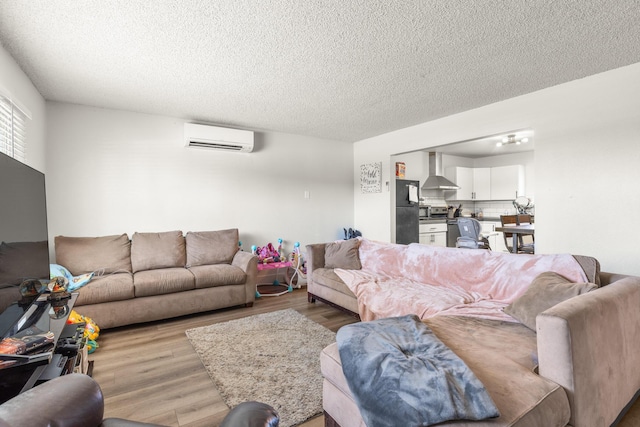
[(155, 276)]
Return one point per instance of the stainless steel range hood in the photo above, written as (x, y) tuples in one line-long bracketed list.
[(436, 181)]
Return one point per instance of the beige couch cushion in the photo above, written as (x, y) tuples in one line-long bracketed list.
[(218, 275), (87, 254), (343, 254), (151, 251), (113, 287), (546, 290), (501, 354), (162, 281), (211, 247), (328, 277)]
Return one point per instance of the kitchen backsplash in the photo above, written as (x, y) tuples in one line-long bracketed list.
[(490, 209)]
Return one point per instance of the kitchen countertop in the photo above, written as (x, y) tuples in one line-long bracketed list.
[(433, 220), (440, 220)]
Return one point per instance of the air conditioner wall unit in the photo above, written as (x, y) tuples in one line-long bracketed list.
[(218, 138)]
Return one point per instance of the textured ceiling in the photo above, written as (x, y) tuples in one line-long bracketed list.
[(337, 69)]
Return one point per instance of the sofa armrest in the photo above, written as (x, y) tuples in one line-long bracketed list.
[(248, 262), (70, 400), (607, 278), (589, 345), (315, 258)]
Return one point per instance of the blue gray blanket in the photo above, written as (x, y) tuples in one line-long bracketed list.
[(401, 374)]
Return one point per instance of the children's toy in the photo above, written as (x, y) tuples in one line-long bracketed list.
[(268, 253), (298, 263), (91, 329), (270, 259)]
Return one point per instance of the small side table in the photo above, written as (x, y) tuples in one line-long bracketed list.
[(275, 266)]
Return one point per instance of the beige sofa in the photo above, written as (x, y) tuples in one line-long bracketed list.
[(575, 366), (155, 276)]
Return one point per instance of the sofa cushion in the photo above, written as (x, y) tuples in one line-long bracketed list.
[(108, 254), (113, 287), (522, 397), (546, 290), (218, 275), (343, 254), (591, 267), (503, 355), (162, 281), (327, 277), (151, 251), (211, 247)]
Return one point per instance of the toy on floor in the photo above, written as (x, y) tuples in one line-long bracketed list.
[(297, 260), (272, 259), (91, 329)]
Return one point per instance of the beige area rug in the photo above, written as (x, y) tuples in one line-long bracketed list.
[(272, 358)]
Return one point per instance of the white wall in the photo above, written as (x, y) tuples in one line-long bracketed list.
[(15, 84), (587, 136), (112, 172)]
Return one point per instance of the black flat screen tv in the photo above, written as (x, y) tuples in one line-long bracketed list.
[(24, 249)]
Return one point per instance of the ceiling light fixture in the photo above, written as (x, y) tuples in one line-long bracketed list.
[(511, 139)]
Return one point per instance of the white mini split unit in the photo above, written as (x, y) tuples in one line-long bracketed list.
[(217, 138)]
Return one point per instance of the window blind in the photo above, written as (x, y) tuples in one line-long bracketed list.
[(12, 129)]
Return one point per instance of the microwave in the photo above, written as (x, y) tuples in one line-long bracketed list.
[(424, 211)]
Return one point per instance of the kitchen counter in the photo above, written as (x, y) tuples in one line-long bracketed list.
[(489, 218), (441, 220), (433, 220)]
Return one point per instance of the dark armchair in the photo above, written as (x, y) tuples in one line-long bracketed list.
[(76, 400)]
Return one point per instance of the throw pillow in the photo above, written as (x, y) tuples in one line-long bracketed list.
[(343, 254), (211, 247), (86, 254), (150, 251), (546, 290)]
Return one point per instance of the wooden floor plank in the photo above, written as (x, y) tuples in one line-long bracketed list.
[(150, 372)]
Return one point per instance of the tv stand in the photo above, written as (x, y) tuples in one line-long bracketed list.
[(23, 372)]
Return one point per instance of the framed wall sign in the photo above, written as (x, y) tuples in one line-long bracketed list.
[(371, 178)]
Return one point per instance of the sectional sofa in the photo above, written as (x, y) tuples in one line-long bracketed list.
[(553, 339), (155, 276)]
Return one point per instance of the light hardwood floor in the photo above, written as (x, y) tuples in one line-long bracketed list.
[(151, 373)]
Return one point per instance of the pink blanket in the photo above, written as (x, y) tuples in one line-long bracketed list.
[(397, 280)]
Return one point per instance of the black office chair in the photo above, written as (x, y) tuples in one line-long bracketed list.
[(470, 235)]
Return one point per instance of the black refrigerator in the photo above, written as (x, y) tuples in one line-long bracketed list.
[(407, 223)]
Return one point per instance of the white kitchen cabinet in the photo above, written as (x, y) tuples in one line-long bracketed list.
[(433, 239), (434, 234), (507, 182), (474, 183), (463, 177), (481, 183), (495, 183)]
